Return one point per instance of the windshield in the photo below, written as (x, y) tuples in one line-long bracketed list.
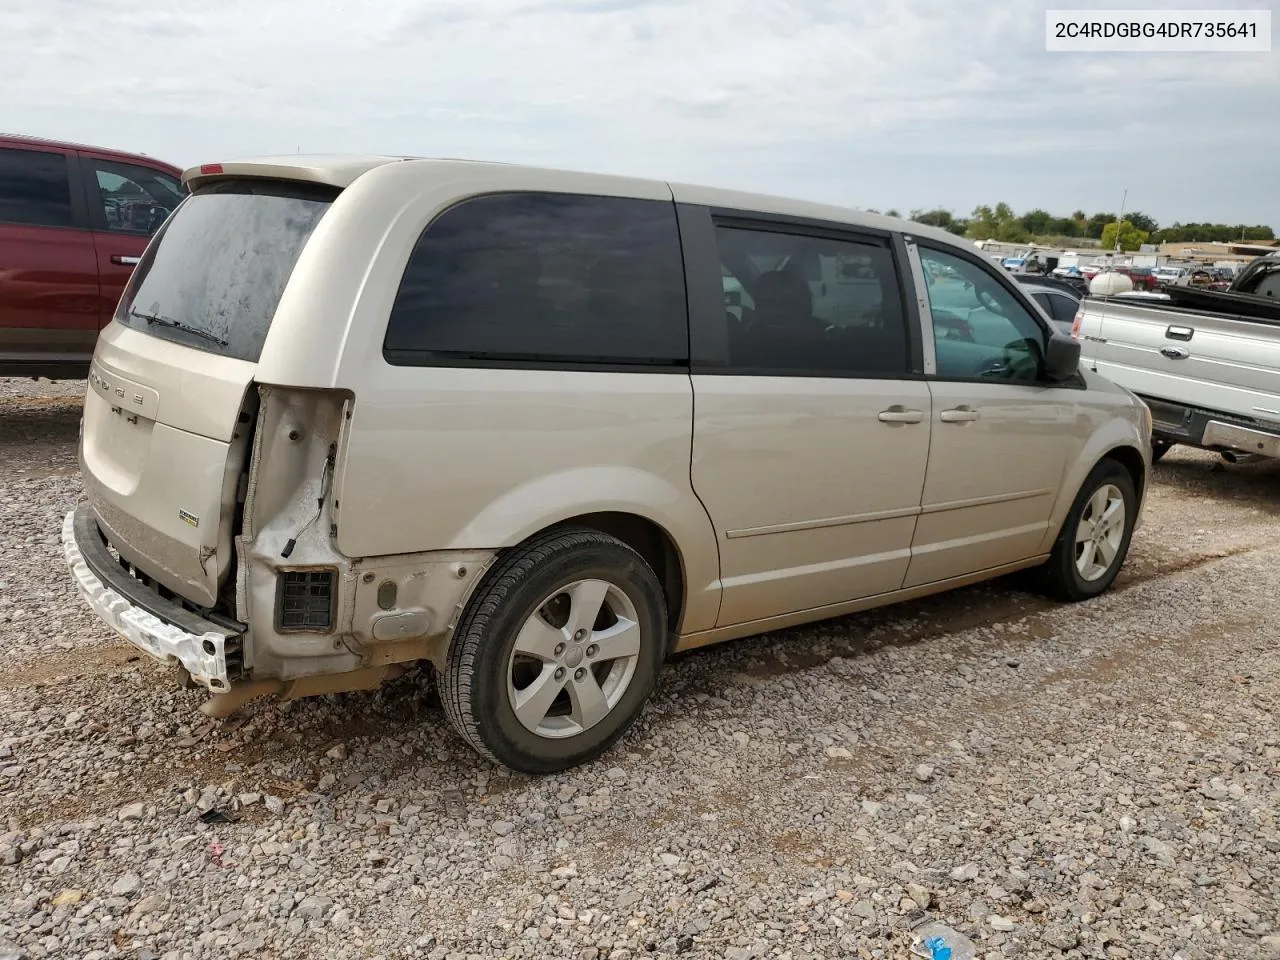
[(214, 274)]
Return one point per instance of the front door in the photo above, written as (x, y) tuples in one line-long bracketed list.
[(127, 203), (1001, 434), (810, 440), (48, 278)]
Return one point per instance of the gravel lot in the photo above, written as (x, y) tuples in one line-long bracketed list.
[(1100, 780)]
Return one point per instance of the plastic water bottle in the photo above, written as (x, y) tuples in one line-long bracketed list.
[(937, 941)]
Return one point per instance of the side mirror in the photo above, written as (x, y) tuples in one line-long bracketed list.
[(1061, 357)]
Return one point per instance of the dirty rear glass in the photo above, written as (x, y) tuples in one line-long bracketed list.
[(214, 274)]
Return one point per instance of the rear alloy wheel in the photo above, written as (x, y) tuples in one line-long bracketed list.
[(573, 659), (1095, 537), (557, 652)]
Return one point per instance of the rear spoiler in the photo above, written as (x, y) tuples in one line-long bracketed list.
[(329, 171)]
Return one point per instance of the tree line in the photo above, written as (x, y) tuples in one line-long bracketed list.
[(1001, 223)]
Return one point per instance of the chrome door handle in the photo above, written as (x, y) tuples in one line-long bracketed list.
[(1175, 353), (959, 415), (125, 261), (900, 414)]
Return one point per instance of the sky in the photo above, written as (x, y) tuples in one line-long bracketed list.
[(906, 104)]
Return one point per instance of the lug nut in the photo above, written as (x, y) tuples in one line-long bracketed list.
[(559, 649), (560, 673), (579, 673), (592, 650), (579, 635)]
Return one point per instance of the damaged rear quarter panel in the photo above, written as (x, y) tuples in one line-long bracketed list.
[(289, 496)]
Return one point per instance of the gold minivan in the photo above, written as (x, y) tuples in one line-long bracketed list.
[(543, 429)]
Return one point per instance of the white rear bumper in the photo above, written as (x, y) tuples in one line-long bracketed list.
[(203, 655)]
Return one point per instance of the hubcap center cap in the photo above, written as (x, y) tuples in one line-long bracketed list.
[(573, 656)]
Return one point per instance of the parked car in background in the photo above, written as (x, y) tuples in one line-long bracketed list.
[(1206, 277), (1169, 275), (1142, 277), (544, 428), (1060, 304), (73, 222), (1076, 285)]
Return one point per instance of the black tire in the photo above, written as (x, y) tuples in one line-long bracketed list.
[(1159, 448), (1060, 576), (474, 682)]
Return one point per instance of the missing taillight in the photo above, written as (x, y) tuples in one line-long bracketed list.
[(304, 600)]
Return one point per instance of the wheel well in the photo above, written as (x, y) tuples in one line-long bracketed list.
[(654, 544), (1131, 460)]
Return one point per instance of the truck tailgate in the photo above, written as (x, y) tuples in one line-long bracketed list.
[(1223, 364)]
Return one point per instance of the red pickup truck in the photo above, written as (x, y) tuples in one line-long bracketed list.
[(73, 222)]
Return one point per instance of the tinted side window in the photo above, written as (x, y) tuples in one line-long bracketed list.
[(134, 199), (34, 188), (544, 278), (980, 330), (1064, 309), (803, 304), (1045, 301)]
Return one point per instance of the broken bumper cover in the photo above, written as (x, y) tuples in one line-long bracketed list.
[(160, 627)]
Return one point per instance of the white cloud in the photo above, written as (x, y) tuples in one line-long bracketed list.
[(874, 102)]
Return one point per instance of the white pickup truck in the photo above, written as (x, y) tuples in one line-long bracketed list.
[(1210, 372)]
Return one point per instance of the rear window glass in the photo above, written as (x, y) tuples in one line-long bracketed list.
[(535, 277), (214, 274)]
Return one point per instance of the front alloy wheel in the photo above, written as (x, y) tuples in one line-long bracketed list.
[(1100, 532), (1095, 535)]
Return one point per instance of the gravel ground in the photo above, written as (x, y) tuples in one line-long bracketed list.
[(1101, 780)]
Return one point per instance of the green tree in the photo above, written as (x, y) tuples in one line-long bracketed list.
[(1213, 233), (982, 224), (1012, 231), (1143, 222), (1130, 237), (1097, 223), (998, 223), (1036, 221), (891, 212), (933, 218), (1063, 227)]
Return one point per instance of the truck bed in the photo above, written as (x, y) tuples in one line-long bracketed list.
[(1192, 366)]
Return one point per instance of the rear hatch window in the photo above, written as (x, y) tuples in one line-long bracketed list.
[(214, 274)]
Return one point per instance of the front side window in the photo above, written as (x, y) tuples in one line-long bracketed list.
[(803, 305), (134, 199), (34, 188), (981, 330), (544, 278)]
